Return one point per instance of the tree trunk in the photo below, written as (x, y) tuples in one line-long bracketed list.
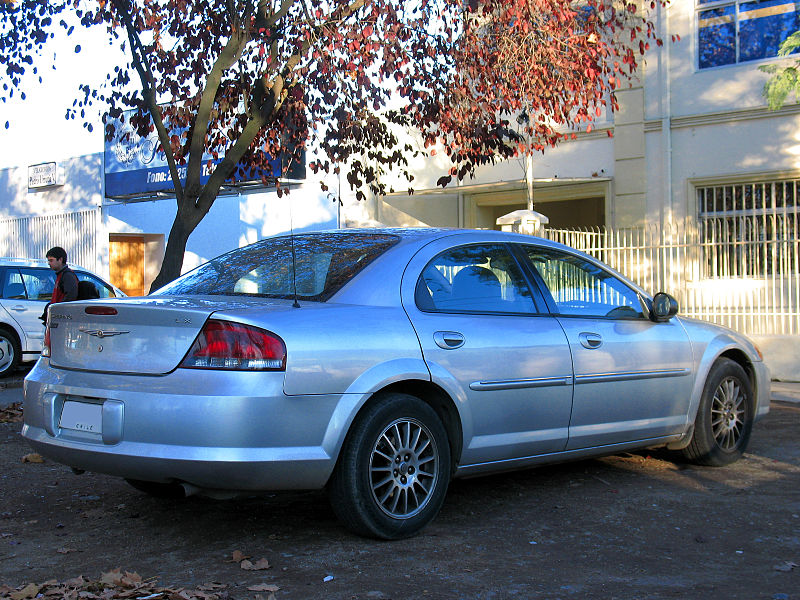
[(529, 178), (176, 248)]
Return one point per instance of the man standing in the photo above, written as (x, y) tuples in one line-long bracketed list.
[(66, 287)]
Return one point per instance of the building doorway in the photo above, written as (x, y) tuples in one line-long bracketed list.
[(134, 261), (567, 205)]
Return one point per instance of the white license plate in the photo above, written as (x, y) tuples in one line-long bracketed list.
[(82, 416)]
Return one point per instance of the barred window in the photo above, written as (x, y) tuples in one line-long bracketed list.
[(744, 228), (735, 31)]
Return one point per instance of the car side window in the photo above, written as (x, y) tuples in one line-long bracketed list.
[(38, 283), (13, 286), (102, 289), (582, 288), (481, 278)]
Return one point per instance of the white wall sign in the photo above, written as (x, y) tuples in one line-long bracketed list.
[(42, 175)]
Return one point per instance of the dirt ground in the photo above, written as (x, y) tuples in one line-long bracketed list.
[(622, 527)]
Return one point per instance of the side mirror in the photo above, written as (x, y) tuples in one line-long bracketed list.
[(664, 307)]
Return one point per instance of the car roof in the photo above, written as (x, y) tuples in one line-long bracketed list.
[(370, 281), (7, 261), (11, 261), (420, 236), (423, 235)]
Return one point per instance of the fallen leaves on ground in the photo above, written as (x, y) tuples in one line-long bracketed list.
[(259, 565), (114, 585), (11, 413), (263, 587), (32, 458), (238, 556), (241, 558)]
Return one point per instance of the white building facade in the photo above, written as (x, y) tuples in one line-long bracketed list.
[(696, 118)]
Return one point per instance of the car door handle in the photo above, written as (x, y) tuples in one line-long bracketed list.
[(449, 340), (18, 308), (590, 340)]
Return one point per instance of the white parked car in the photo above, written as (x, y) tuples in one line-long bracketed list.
[(26, 285)]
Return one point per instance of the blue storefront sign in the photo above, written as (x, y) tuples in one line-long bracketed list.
[(136, 165)]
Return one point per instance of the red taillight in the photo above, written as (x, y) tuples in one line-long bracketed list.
[(225, 345)]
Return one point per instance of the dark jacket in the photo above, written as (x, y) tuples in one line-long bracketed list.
[(65, 289)]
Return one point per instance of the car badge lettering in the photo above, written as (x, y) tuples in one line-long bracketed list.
[(102, 333)]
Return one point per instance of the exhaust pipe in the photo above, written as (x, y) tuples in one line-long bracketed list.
[(189, 489), (193, 490)]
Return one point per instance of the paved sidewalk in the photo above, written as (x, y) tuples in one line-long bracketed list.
[(786, 391)]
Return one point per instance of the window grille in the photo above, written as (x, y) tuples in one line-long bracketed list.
[(743, 228)]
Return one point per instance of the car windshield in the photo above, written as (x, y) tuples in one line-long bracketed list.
[(324, 263)]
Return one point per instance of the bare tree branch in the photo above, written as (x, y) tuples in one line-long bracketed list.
[(228, 57), (142, 67)]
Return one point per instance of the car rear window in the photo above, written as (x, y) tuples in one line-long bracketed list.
[(324, 261)]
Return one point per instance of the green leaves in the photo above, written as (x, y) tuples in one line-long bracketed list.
[(790, 44), (784, 80)]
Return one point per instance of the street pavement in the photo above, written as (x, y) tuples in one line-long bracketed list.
[(11, 390), (10, 395)]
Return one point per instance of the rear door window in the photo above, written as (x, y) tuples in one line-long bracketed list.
[(482, 278), (38, 283)]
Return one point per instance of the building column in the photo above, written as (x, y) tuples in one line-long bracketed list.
[(629, 208)]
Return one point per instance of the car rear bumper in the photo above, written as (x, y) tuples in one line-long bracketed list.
[(186, 427)]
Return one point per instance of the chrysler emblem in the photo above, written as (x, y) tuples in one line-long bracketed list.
[(101, 334)]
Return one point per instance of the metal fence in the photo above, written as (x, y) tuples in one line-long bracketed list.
[(31, 237), (739, 271)]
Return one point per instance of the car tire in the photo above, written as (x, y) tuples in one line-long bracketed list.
[(158, 490), (724, 418), (393, 471), (10, 352)]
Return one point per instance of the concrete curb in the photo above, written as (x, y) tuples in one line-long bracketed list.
[(784, 391)]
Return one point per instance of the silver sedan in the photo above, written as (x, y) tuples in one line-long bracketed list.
[(380, 364)]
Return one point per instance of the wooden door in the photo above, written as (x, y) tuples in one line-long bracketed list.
[(127, 264)]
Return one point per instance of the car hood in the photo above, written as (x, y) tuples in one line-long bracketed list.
[(149, 335)]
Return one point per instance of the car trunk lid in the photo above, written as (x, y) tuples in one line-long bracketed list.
[(144, 335)]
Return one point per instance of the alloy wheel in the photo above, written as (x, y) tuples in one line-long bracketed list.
[(6, 353), (403, 468), (728, 413)]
